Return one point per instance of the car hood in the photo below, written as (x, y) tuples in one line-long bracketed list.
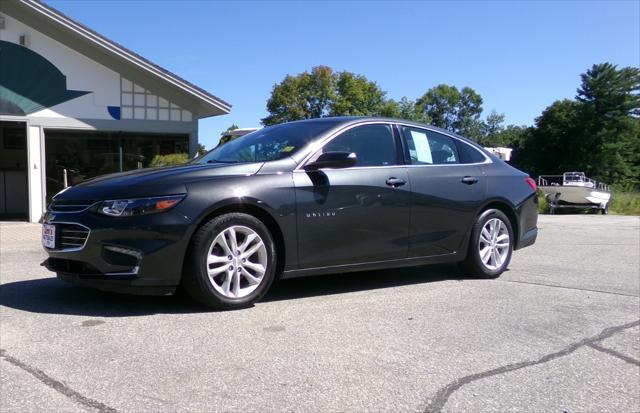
[(153, 181)]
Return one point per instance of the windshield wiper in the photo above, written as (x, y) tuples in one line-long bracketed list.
[(222, 161)]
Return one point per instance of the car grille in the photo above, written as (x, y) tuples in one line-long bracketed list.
[(69, 206), (72, 236), (71, 267)]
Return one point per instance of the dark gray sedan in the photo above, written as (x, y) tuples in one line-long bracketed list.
[(318, 196)]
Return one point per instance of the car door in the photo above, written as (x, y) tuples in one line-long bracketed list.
[(446, 193), (358, 214)]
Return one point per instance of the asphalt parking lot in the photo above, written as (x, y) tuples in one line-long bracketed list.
[(558, 332)]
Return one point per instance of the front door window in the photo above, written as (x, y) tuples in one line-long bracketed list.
[(373, 145)]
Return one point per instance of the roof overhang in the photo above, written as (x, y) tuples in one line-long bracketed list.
[(114, 56)]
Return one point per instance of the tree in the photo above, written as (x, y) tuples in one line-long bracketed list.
[(201, 149), (356, 96), (452, 109), (553, 146), (598, 132), (324, 92), (226, 137), (609, 92), (610, 110), (492, 127), (511, 136), (405, 108)]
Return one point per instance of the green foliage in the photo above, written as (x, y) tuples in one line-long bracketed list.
[(493, 125), (598, 133), (625, 203), (511, 136), (356, 96), (405, 109), (324, 92), (201, 149), (553, 146), (543, 204), (227, 137), (610, 106), (171, 159), (452, 109)]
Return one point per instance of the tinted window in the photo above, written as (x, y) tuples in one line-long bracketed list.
[(372, 144), (429, 148), (268, 144), (469, 154)]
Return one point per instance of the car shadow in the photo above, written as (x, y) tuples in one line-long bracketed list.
[(52, 296), (360, 281)]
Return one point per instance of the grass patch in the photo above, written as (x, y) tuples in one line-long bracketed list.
[(625, 203)]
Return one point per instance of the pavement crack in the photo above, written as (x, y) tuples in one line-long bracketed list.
[(57, 385), (442, 396), (614, 353), (568, 288)]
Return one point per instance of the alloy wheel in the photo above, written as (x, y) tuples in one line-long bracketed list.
[(493, 245), (236, 261)]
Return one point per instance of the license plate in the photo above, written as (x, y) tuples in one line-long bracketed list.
[(49, 236)]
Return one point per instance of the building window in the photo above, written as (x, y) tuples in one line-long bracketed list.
[(140, 103), (84, 155)]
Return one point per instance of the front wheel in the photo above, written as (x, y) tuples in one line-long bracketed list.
[(231, 262), (490, 246)]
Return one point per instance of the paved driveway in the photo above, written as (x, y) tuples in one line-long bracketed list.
[(558, 332)]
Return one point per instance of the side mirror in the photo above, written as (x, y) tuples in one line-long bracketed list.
[(332, 160)]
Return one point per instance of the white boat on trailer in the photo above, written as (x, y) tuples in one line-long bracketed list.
[(575, 190)]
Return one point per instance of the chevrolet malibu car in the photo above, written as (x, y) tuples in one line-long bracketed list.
[(330, 195)]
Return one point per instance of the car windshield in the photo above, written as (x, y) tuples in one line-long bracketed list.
[(268, 144)]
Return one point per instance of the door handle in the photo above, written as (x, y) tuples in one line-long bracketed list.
[(469, 180), (395, 182)]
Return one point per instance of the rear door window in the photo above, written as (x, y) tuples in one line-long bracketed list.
[(426, 147)]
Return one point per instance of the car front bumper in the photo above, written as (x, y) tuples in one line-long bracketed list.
[(140, 255)]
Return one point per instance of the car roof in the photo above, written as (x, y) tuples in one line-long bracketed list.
[(349, 120)]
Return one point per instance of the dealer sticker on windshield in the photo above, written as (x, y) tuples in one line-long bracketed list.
[(49, 236)]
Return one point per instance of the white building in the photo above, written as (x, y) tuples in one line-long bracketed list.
[(74, 105)]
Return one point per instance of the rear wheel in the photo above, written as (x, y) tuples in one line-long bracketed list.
[(231, 262), (490, 246)]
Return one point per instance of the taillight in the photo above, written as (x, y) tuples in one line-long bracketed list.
[(531, 183)]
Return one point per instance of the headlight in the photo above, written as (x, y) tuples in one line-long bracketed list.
[(139, 206)]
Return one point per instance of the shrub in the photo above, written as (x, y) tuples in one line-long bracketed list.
[(171, 159), (543, 204), (625, 203)]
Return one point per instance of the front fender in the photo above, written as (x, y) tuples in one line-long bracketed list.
[(269, 196)]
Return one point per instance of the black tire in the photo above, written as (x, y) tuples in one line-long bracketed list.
[(195, 279), (473, 265)]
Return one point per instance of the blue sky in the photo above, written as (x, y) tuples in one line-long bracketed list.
[(520, 56)]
